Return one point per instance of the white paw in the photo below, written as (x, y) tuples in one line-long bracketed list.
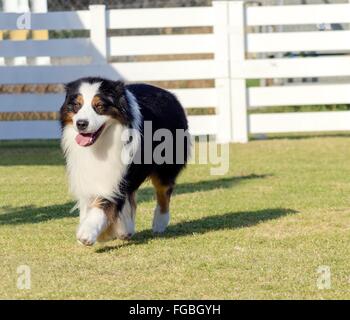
[(87, 234), (160, 220), (91, 227), (125, 226), (115, 231), (108, 235)]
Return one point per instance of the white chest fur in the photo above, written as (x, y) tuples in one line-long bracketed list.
[(97, 170)]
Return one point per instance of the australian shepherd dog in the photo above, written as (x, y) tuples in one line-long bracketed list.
[(114, 137)]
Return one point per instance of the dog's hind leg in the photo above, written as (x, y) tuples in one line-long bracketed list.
[(161, 216)]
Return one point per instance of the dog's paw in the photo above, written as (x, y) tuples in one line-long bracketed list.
[(107, 235), (91, 227), (87, 234), (160, 221), (124, 232), (125, 236), (125, 226), (116, 231)]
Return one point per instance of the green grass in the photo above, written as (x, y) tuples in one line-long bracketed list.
[(261, 231)]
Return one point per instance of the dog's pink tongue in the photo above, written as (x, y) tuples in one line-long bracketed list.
[(83, 140)]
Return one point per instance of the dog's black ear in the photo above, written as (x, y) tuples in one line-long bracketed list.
[(113, 89), (115, 93), (71, 86), (65, 112), (68, 89), (122, 104), (66, 86), (119, 87)]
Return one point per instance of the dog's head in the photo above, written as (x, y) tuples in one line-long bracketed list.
[(92, 104)]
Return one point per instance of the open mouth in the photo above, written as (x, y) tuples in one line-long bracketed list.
[(88, 139)]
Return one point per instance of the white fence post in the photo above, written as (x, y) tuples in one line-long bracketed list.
[(98, 33), (238, 85), (222, 85), (40, 6)]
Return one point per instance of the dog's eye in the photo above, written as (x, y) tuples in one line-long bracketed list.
[(73, 107), (99, 108), (69, 108)]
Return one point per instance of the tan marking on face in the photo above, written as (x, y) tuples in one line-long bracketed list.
[(80, 100), (163, 194), (97, 104), (68, 118), (78, 103), (96, 101)]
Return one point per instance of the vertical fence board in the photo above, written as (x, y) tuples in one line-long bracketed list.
[(222, 55), (238, 85), (98, 33)]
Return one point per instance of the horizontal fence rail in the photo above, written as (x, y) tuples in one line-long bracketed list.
[(117, 46), (298, 14), (156, 45), (233, 55), (13, 130), (151, 71), (160, 18), (292, 68), (299, 95), (51, 48), (27, 102), (300, 122), (75, 20), (298, 41)]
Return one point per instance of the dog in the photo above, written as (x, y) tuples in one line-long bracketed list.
[(104, 125)]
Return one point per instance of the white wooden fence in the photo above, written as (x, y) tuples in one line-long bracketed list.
[(230, 68), (331, 66)]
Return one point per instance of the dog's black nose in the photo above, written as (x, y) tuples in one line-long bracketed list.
[(82, 124)]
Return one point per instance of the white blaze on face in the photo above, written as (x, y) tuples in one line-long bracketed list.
[(87, 112)]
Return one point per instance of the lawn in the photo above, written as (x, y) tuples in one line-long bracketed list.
[(261, 231)]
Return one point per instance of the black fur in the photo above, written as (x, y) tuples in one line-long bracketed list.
[(164, 111)]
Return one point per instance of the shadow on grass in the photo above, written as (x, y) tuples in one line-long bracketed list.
[(231, 220), (147, 194), (31, 214)]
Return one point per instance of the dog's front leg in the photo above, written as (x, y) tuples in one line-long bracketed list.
[(93, 222), (125, 226), (83, 205), (122, 219)]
